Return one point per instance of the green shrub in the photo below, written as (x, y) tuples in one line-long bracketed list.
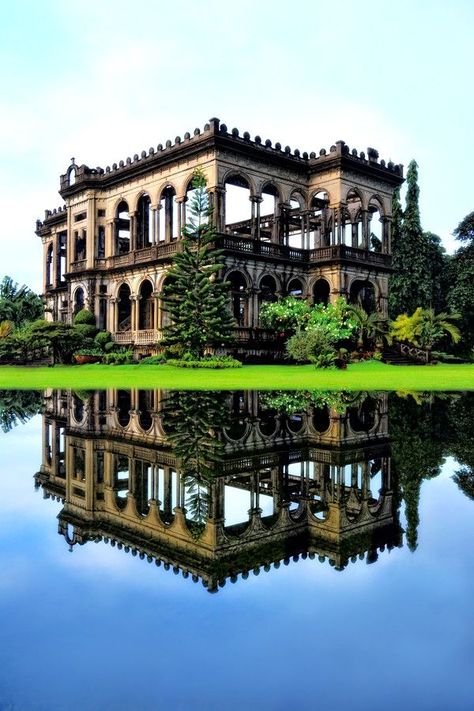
[(312, 346), (109, 347), (85, 331), (102, 339), (122, 357), (89, 352), (213, 362), (85, 317), (153, 360)]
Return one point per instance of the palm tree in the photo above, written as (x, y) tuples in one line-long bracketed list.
[(18, 304), (433, 327), (370, 327)]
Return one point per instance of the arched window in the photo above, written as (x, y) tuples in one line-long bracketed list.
[(354, 210), (78, 300), (121, 479), (145, 406), (144, 225), (267, 225), (238, 207), (146, 306), (239, 297), (321, 291), (375, 226), (169, 222), (362, 293), (321, 419), (124, 405), (295, 288), (122, 229), (124, 309), (321, 219)]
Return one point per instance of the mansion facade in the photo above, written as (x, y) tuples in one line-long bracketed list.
[(316, 226)]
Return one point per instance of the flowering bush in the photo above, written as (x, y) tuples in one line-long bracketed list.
[(285, 316)]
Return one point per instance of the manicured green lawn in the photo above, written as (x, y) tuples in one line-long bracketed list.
[(360, 376)]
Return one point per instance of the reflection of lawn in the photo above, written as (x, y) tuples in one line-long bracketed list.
[(360, 376)]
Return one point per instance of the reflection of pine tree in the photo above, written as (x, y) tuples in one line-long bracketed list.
[(192, 422), (417, 430), (18, 406)]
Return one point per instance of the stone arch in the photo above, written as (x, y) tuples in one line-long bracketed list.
[(321, 291), (268, 288), (168, 208), (146, 305), (124, 308), (365, 294), (376, 216), (145, 408), (268, 211), (122, 228), (79, 299), (239, 204), (296, 287), (321, 219), (144, 221), (321, 419), (164, 317)]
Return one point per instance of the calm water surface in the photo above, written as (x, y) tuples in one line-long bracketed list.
[(170, 550)]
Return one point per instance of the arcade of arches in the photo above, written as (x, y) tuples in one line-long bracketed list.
[(316, 226)]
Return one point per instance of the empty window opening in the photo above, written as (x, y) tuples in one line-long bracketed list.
[(122, 229)]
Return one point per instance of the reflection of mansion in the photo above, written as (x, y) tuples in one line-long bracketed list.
[(317, 484), (315, 226)]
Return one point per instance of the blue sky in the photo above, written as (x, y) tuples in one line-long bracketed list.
[(104, 80)]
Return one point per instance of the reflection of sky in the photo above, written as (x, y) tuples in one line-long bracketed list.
[(99, 629)]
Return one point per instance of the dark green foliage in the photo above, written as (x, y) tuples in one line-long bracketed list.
[(461, 441), (119, 357), (102, 339), (214, 362), (60, 340), (195, 297), (461, 278), (192, 422), (19, 305), (86, 332), (312, 346), (18, 406), (418, 430), (85, 317), (418, 258), (153, 360)]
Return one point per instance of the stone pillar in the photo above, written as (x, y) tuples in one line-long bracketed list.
[(181, 214), (110, 238), (112, 316), (153, 225), (134, 314), (354, 234), (168, 217), (365, 229), (133, 230), (157, 217), (386, 235)]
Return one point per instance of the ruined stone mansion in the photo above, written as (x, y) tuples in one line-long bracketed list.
[(313, 225)]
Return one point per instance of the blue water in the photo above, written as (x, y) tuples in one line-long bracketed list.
[(97, 628)]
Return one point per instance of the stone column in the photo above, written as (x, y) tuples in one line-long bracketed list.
[(153, 225), (157, 217), (365, 229), (386, 235), (133, 230), (109, 238), (135, 312), (354, 234)]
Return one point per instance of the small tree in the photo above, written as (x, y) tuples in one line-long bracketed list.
[(196, 299), (424, 328), (60, 339), (285, 316)]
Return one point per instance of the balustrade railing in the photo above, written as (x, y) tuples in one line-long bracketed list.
[(243, 245), (138, 338)]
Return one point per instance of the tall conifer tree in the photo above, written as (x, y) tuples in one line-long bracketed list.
[(195, 297), (410, 283)]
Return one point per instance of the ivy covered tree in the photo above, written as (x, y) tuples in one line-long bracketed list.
[(195, 297), (419, 260)]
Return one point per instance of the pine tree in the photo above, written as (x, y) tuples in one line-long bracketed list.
[(195, 298)]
